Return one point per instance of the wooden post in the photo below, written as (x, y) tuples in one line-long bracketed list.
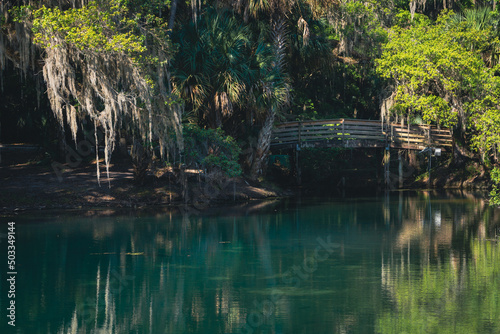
[(400, 168), (429, 169), (412, 157), (429, 139), (453, 153), (387, 161), (300, 134), (408, 136), (343, 133), (377, 170), (392, 133), (400, 207), (297, 165)]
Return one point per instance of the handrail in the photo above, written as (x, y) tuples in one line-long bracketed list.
[(359, 133)]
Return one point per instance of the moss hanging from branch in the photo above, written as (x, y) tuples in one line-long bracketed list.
[(16, 40), (114, 69)]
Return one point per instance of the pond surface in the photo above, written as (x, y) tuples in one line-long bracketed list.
[(405, 263)]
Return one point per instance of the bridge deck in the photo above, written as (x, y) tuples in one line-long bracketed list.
[(359, 133)]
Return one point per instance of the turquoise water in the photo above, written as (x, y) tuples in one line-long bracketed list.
[(408, 263)]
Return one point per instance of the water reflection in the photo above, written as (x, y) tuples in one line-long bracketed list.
[(410, 262), (443, 271), (454, 295)]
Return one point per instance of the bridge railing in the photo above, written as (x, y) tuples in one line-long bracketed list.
[(359, 133), (419, 136)]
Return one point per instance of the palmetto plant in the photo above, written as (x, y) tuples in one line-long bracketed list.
[(213, 70), (475, 20)]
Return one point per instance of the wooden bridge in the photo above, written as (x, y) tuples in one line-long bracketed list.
[(358, 133)]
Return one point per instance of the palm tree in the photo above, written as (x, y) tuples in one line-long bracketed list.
[(224, 66), (212, 67), (272, 92)]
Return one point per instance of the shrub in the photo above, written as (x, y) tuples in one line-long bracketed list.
[(495, 193), (211, 150)]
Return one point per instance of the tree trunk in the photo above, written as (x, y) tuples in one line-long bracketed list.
[(263, 145), (173, 10), (140, 162)]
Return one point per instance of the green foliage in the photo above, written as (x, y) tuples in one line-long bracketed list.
[(478, 31), (440, 74), (93, 27), (495, 192), (147, 7), (335, 69), (485, 120), (363, 25), (305, 107), (435, 74), (403, 19), (442, 70), (213, 64), (226, 68), (211, 149)]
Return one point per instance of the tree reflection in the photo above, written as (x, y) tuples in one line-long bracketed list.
[(442, 272), (459, 295), (189, 272)]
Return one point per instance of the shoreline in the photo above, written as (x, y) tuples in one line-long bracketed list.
[(35, 186), (31, 187)]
